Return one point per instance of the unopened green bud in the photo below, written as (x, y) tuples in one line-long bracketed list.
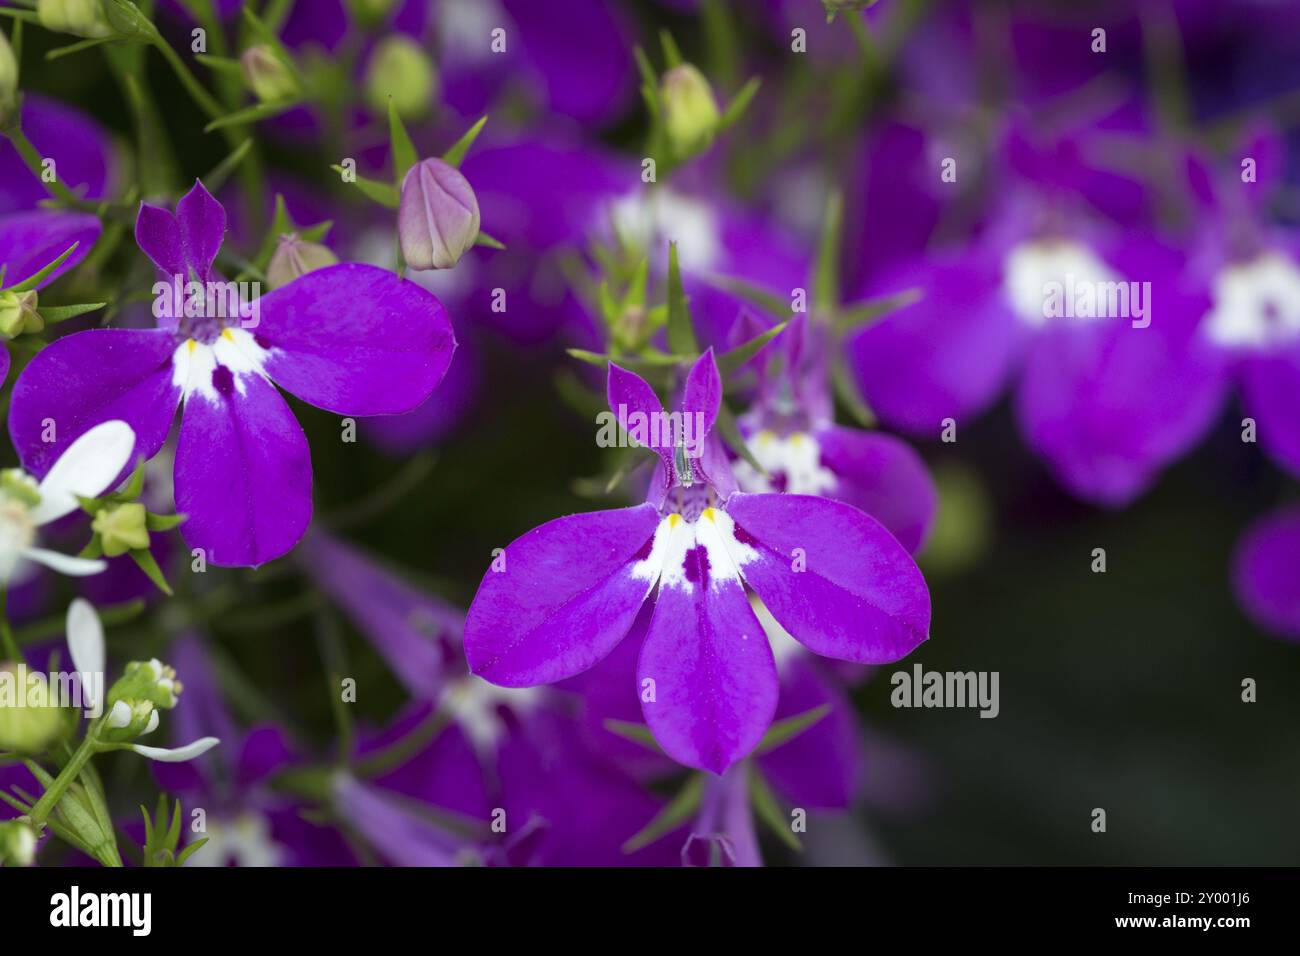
[(267, 75), (8, 80), (121, 528), (18, 314), (83, 18), (17, 843), (690, 111), (151, 681), (29, 720), (125, 18), (400, 68), (296, 257), (17, 485)]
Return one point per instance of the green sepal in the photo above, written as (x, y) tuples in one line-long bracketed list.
[(455, 155), (769, 810), (783, 731), (399, 140), (144, 560), (678, 811)]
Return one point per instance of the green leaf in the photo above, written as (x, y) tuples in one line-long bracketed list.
[(221, 64), (826, 276), (637, 363), (769, 811), (739, 103), (145, 561), (730, 432), (681, 334), (630, 730), (682, 807), (846, 389), (155, 522), (217, 176), (93, 549), (484, 239), (456, 154), (733, 359), (33, 281), (60, 52), (855, 318), (251, 114), (783, 731), (61, 313), (190, 850), (763, 299), (672, 55), (382, 193), (404, 155)]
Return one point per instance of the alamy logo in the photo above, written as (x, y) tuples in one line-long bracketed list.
[(179, 299), (20, 687), (132, 910), (652, 429), (922, 688), (1089, 299)]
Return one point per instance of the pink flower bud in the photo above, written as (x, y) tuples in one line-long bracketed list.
[(438, 218)]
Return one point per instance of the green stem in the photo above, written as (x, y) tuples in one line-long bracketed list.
[(32, 158), (10, 646), (50, 799)]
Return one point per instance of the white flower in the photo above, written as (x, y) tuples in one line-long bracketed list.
[(86, 469)]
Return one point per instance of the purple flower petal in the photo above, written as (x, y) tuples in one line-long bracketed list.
[(243, 473), (883, 476), (1270, 393), (1109, 405), (639, 411), (715, 688), (393, 827), (158, 235), (29, 241), (823, 766), (81, 380), (703, 392), (1266, 573), (202, 222), (356, 340), (832, 576), (566, 594), (946, 356)]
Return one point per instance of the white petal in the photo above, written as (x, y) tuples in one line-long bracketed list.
[(120, 715), (85, 643), (87, 468), (180, 754), (65, 563)]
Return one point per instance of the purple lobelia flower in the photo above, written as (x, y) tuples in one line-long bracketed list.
[(1097, 325), (1253, 274), (350, 338), (791, 432), (560, 598)]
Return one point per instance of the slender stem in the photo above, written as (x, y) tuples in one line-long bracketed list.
[(32, 158), (192, 86), (50, 799), (10, 646)]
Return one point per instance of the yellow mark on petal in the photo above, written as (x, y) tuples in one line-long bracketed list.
[(191, 345), (796, 439), (708, 513), (765, 436), (228, 335), (674, 520)]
